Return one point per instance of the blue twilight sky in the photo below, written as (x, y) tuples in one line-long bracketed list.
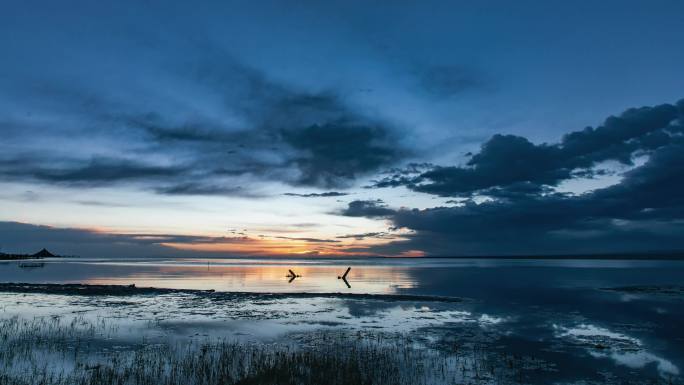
[(341, 128)]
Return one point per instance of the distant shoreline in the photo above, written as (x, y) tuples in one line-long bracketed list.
[(664, 256), (42, 254), (129, 290), (17, 257), (655, 256)]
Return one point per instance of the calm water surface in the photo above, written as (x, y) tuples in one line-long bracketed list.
[(447, 277), (557, 311)]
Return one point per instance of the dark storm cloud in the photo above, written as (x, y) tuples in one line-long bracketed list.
[(318, 195), (338, 152), (644, 211), (509, 162), (367, 208)]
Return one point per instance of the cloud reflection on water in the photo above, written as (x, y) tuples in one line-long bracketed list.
[(622, 349)]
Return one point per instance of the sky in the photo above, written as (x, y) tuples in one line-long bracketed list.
[(350, 128)]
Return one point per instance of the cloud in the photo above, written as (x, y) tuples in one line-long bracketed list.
[(335, 153), (512, 162), (309, 240), (318, 195), (367, 208), (241, 128), (360, 236), (201, 188), (97, 203), (18, 237), (95, 171), (24, 238), (643, 212), (282, 133)]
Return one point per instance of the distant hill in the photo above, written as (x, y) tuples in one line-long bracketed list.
[(42, 254)]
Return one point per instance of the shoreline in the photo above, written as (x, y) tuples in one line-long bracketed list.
[(132, 290)]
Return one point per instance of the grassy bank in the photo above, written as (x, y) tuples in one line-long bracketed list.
[(81, 348), (52, 351)]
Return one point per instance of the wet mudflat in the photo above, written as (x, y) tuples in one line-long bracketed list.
[(611, 323)]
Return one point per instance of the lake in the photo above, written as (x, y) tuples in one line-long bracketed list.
[(569, 321)]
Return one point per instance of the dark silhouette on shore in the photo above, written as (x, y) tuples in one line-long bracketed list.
[(42, 254), (343, 277), (292, 276)]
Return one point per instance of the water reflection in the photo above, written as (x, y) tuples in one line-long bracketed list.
[(31, 265), (622, 349), (221, 275)]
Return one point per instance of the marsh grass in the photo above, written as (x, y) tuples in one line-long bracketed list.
[(58, 351)]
